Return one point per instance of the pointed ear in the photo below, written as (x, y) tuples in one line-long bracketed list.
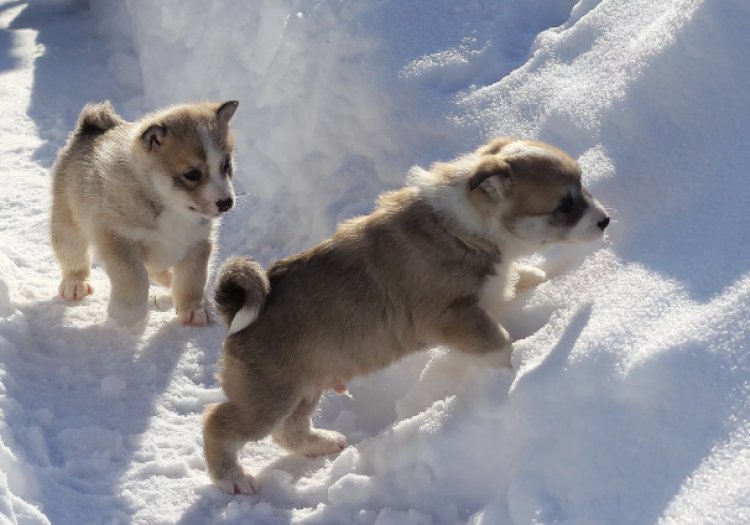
[(491, 176), (226, 110), (153, 137)]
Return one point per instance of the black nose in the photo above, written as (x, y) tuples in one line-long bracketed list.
[(603, 223), (224, 204)]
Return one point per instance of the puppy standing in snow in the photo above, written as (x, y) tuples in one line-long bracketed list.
[(424, 269), (145, 194)]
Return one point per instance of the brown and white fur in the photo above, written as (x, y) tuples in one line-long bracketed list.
[(145, 194), (418, 272)]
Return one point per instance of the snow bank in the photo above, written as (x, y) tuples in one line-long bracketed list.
[(628, 402), (337, 99)]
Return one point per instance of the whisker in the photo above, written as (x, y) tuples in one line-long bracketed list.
[(245, 195)]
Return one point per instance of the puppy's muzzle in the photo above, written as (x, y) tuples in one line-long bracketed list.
[(603, 223)]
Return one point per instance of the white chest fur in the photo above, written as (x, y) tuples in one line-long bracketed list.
[(175, 233)]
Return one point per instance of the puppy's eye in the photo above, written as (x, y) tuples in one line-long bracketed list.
[(227, 168), (566, 205), (192, 175)]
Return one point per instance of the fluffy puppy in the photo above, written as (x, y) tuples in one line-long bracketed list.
[(145, 194), (413, 274)]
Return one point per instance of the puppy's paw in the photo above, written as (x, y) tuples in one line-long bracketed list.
[(497, 340), (238, 483), (322, 443), (529, 277), (74, 289), (499, 355), (129, 316), (193, 316)]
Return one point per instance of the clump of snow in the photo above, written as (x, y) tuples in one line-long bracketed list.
[(628, 402)]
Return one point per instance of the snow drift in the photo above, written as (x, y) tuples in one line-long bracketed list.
[(629, 398)]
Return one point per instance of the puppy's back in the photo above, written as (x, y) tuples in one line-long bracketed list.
[(367, 296)]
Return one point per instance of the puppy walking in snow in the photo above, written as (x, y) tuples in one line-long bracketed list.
[(145, 194), (422, 270)]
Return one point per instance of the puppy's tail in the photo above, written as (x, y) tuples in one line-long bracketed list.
[(241, 290), (95, 119)]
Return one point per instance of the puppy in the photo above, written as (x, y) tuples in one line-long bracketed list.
[(145, 194), (411, 275)]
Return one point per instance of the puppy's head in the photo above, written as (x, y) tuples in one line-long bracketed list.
[(535, 190), (188, 151), (512, 188)]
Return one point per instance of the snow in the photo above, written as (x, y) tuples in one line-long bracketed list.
[(628, 402)]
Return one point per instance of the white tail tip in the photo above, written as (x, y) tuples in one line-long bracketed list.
[(244, 317)]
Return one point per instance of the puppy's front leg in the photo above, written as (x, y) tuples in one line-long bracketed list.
[(72, 251), (128, 301), (188, 282), (466, 327)]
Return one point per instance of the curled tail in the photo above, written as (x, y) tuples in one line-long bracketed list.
[(241, 290), (97, 118)]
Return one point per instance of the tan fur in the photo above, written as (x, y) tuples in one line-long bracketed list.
[(121, 187), (411, 275)]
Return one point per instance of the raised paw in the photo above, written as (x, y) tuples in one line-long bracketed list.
[(529, 277), (238, 483), (193, 316), (74, 289), (322, 443)]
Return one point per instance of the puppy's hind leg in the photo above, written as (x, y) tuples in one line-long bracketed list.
[(297, 434), (71, 250), (228, 426)]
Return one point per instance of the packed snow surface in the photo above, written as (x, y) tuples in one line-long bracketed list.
[(629, 401)]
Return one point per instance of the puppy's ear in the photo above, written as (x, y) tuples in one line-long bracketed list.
[(494, 146), (226, 110), (492, 176), (154, 135)]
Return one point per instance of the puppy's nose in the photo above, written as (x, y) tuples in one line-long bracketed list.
[(224, 204), (603, 223)]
